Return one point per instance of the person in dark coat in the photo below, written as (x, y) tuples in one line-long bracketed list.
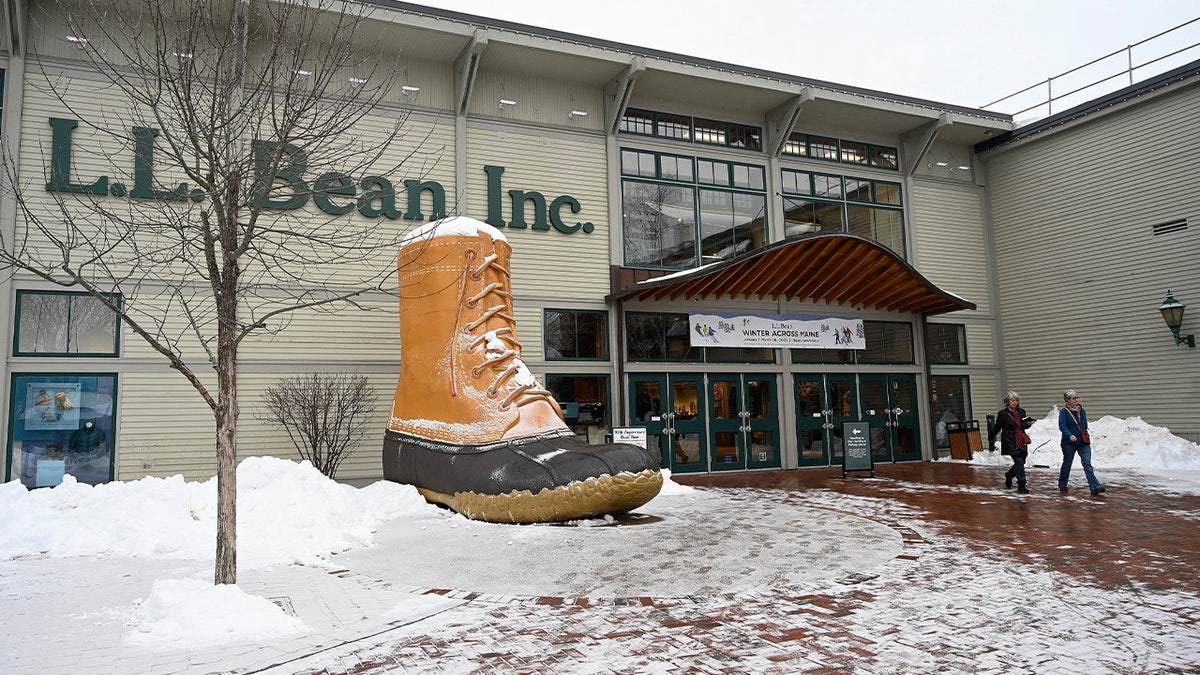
[(1010, 420), (1072, 422)]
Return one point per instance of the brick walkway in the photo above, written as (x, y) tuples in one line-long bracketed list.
[(987, 582)]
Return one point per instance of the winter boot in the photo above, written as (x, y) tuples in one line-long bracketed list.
[(471, 427)]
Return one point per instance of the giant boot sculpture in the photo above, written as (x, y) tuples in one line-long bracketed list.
[(471, 427)]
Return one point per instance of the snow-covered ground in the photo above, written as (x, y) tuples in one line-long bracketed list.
[(290, 517)]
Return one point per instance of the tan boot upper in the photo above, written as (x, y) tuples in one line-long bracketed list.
[(462, 378)]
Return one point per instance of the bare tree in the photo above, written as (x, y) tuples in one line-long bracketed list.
[(244, 122), (323, 415)]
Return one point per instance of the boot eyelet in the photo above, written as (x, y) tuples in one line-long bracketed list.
[(504, 408), (471, 254), (471, 302), (476, 372), (492, 393)]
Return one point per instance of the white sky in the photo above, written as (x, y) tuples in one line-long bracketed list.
[(293, 521), (962, 52)]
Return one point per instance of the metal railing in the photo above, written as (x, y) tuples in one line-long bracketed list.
[(1096, 78)]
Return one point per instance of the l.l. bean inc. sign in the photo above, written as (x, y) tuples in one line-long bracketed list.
[(332, 192)]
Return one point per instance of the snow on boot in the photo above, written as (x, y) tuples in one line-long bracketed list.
[(470, 426)]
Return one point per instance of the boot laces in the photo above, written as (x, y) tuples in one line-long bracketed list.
[(502, 351)]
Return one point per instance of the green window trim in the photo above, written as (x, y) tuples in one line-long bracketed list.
[(946, 344), (83, 320), (687, 129), (829, 149)]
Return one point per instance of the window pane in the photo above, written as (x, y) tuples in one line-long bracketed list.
[(827, 186), (854, 153), (796, 144), (946, 343), (730, 223), (887, 193), (823, 148), (804, 216), (64, 323), (659, 224), (676, 168), (658, 337), (885, 226), (638, 122), (858, 190), (739, 355), (822, 355), (591, 330), (750, 177), (636, 163), (951, 403), (712, 173), (584, 400), (745, 137), (796, 182), (675, 126), (886, 158), (710, 132), (560, 335), (887, 342)]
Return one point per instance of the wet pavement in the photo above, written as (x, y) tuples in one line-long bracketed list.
[(982, 580), (929, 567)]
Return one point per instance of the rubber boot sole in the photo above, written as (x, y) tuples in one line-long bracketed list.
[(588, 498)]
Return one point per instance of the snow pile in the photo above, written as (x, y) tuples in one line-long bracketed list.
[(1116, 444)]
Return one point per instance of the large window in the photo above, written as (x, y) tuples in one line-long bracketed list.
[(946, 343), (64, 324), (576, 335), (61, 425), (951, 403), (816, 202), (694, 210), (887, 342), (666, 337), (585, 403)]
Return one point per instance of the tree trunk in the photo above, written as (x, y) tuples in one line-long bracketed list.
[(227, 418)]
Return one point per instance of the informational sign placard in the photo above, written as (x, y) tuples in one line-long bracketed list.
[(776, 330), (630, 435), (856, 447), (51, 406)]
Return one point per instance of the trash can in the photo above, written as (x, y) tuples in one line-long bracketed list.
[(964, 439)]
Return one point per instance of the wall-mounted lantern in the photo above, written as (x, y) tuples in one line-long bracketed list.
[(1172, 312)]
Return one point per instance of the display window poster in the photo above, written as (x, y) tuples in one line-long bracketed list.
[(52, 405)]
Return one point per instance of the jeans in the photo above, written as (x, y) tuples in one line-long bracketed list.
[(1017, 470), (1085, 458)]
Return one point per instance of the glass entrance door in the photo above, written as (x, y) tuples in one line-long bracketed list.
[(823, 402), (671, 407), (744, 425), (889, 404)]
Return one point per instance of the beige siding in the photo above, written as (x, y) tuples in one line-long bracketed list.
[(1075, 210), (164, 428), (947, 222), (539, 100), (547, 264), (984, 399)]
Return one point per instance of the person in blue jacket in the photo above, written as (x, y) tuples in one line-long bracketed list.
[(1072, 422)]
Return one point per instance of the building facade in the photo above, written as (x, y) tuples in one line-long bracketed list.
[(652, 201)]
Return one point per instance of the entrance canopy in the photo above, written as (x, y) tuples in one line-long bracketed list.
[(831, 267)]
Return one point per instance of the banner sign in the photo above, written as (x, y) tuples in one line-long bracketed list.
[(776, 330)]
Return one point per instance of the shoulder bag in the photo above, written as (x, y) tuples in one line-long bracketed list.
[(1084, 436)]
